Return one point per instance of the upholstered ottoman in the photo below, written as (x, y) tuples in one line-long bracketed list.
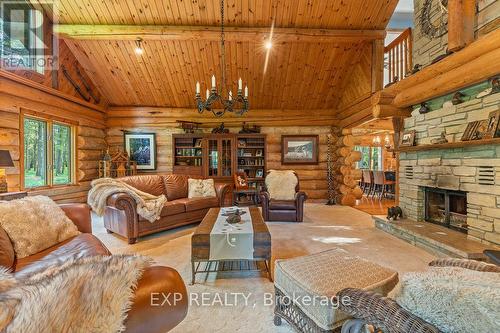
[(306, 286)]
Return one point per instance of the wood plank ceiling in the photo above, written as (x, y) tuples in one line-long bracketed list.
[(300, 74)]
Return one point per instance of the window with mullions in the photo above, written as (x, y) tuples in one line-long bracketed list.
[(48, 152), (371, 158)]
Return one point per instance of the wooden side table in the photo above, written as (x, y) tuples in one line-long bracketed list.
[(249, 193), (12, 195)]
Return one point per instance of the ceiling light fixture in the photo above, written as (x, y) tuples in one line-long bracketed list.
[(213, 95), (268, 45), (138, 47)]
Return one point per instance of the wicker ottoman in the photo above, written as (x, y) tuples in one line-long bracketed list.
[(304, 286)]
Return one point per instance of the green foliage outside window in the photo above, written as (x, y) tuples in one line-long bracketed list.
[(44, 167)]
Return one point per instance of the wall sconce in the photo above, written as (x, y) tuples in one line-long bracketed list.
[(424, 108), (376, 140), (138, 47), (457, 98), (387, 141)]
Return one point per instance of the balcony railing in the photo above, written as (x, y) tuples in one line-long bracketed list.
[(398, 57)]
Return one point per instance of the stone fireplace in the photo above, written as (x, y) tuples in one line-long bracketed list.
[(446, 208), (469, 175)]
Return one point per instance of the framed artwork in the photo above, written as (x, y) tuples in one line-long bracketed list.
[(407, 139), (197, 143), (480, 130), (469, 130), (242, 143), (259, 173), (258, 153), (493, 130), (141, 147), (299, 149)]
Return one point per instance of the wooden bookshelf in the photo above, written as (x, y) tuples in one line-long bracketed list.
[(449, 145), (187, 154), (251, 154)]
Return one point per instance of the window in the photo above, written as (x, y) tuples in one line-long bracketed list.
[(371, 158), (48, 152)]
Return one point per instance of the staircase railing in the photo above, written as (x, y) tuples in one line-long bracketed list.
[(398, 56)]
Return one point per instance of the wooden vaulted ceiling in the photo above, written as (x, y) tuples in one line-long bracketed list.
[(308, 68)]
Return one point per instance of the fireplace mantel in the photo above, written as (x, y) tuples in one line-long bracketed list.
[(450, 145)]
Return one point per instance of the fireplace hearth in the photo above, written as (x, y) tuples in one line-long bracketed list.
[(447, 208)]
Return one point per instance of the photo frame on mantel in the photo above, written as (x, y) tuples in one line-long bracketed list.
[(493, 129), (407, 139), (299, 149)]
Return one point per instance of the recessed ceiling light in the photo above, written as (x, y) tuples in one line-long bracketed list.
[(268, 45)]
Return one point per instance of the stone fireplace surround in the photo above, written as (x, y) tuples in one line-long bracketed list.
[(474, 169)]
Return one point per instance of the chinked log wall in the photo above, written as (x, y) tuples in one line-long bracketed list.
[(17, 94), (312, 177)]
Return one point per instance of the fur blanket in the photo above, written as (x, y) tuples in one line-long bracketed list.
[(35, 224), (90, 294), (281, 184), (148, 206), (453, 299)]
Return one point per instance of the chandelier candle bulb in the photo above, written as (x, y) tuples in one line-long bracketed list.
[(230, 95), (240, 84), (213, 81), (246, 91), (208, 94), (198, 88)]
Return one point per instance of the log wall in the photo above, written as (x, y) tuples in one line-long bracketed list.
[(312, 177), (14, 97)]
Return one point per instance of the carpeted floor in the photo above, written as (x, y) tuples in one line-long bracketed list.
[(245, 297)]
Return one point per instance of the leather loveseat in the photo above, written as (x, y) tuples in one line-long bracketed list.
[(121, 215), (142, 317)]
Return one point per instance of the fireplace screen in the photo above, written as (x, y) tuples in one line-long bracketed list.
[(447, 208)]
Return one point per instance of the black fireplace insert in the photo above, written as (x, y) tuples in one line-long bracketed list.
[(447, 208)]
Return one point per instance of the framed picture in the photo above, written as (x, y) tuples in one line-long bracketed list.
[(242, 143), (197, 143), (407, 139), (299, 149), (258, 153), (259, 173), (469, 130), (480, 130), (493, 130), (141, 147)]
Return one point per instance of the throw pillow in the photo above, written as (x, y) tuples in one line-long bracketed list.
[(91, 294), (281, 184), (35, 224), (201, 188), (453, 299)]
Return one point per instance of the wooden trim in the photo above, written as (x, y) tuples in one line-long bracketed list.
[(211, 33), (50, 120), (475, 63), (56, 93), (450, 145)]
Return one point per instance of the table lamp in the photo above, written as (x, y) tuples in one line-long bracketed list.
[(5, 162)]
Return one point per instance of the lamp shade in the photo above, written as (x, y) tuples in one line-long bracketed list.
[(5, 159)]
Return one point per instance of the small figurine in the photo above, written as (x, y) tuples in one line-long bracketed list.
[(393, 213), (246, 129), (441, 139), (415, 69), (457, 98), (234, 217), (424, 108), (220, 129)]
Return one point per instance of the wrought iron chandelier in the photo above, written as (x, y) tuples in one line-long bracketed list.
[(239, 103)]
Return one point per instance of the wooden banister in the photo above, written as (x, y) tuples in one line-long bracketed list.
[(399, 56)]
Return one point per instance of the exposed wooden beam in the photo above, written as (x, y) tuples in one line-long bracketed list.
[(377, 72), (160, 117), (212, 33), (461, 14), (389, 111)]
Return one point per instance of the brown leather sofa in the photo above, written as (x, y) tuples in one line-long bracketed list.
[(284, 210), (142, 317), (121, 216)]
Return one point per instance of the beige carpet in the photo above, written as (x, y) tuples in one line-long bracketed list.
[(324, 227)]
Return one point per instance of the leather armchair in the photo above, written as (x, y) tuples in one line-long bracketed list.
[(283, 210), (144, 315)]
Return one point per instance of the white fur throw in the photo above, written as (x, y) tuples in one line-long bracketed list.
[(201, 188), (281, 184), (34, 224), (148, 206), (453, 299), (91, 294)]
